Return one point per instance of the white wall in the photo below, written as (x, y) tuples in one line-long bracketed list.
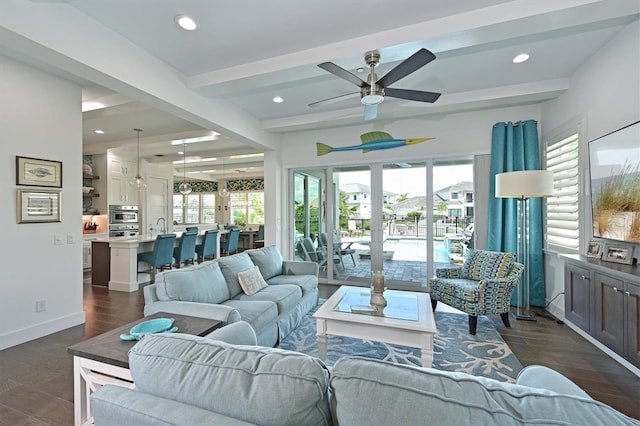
[(40, 116), (605, 94)]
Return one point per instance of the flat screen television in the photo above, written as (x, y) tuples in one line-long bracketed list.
[(614, 166)]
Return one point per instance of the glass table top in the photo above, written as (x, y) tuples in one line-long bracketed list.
[(400, 304)]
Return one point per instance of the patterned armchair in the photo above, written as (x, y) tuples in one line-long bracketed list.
[(482, 285)]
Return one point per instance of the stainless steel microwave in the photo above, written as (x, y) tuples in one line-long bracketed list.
[(123, 214)]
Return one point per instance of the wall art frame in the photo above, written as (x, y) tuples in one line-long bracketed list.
[(38, 172), (618, 253), (595, 249), (39, 206)]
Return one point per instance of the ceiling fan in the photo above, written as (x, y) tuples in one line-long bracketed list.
[(373, 91)]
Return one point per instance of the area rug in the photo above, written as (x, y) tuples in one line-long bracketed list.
[(484, 354)]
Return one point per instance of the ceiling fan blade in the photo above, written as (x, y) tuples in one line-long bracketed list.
[(332, 100), (344, 74), (419, 59), (370, 112), (412, 95)]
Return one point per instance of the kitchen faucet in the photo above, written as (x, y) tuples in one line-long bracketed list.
[(164, 223)]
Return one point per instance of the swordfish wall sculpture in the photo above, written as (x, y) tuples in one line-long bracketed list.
[(371, 141)]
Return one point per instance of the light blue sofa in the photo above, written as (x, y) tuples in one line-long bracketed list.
[(187, 380), (211, 290)]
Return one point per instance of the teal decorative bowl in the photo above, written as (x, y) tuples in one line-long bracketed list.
[(158, 325)]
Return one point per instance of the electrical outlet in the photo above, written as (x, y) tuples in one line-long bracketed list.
[(58, 239), (71, 239), (41, 305)]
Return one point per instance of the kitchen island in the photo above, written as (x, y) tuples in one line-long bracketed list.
[(121, 260)]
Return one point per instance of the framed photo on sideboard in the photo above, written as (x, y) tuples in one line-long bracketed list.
[(594, 249), (618, 253)]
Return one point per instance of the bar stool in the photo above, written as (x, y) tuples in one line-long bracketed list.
[(209, 245), (186, 250), (162, 254)]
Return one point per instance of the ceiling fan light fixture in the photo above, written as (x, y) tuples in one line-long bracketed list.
[(372, 99)]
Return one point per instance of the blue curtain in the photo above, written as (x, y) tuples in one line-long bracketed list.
[(515, 147)]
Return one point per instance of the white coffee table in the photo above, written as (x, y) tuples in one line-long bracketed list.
[(407, 320)]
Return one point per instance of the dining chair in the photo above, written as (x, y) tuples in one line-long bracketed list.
[(259, 240), (230, 244), (162, 254), (209, 245), (186, 251)]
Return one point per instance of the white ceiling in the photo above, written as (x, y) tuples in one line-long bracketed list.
[(246, 52)]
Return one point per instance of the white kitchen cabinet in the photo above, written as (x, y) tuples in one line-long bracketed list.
[(120, 174)]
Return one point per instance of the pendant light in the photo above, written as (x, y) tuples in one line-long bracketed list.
[(137, 181), (185, 187), (223, 191)]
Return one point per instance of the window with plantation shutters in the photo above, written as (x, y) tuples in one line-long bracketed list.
[(563, 208)]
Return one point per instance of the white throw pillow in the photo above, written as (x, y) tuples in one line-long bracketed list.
[(251, 281)]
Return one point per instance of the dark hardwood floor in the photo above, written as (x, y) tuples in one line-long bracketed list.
[(36, 383)]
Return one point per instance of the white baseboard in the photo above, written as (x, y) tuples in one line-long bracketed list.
[(39, 330)]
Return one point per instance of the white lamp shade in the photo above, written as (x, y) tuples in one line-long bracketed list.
[(524, 183)]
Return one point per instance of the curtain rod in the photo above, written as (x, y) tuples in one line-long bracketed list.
[(516, 124)]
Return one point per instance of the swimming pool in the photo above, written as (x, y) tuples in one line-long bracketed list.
[(409, 249)]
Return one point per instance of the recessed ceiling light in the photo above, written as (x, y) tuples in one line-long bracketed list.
[(98, 131), (360, 70), (278, 99), (186, 22), (520, 58)]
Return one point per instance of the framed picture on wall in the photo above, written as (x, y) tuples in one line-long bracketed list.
[(39, 206), (618, 253), (594, 249), (38, 172)]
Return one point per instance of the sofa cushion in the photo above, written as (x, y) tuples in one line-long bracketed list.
[(268, 259), (284, 296), (251, 281), (364, 390), (258, 313), (483, 264), (254, 384), (307, 283), (230, 266), (202, 283)]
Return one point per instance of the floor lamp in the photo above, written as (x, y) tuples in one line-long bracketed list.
[(523, 185)]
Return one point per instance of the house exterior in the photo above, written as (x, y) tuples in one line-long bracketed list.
[(359, 196)]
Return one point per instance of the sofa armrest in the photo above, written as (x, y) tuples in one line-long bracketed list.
[(238, 333), (223, 313), (299, 267), (538, 376), (150, 295)]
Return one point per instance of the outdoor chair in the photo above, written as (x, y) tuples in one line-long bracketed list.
[(338, 247), (481, 286), (316, 254)]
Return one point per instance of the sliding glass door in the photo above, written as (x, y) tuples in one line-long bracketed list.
[(379, 217)]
